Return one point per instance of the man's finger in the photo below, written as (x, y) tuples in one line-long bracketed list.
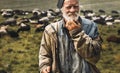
[(72, 25), (44, 71), (48, 69)]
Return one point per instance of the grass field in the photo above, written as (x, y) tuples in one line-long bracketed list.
[(110, 62), (21, 55)]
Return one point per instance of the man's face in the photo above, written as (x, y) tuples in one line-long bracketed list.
[(70, 10)]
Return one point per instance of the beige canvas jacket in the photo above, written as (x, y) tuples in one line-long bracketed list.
[(48, 55)]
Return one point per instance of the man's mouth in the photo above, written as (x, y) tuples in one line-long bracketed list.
[(72, 14)]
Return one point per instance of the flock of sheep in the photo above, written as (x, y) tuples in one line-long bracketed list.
[(19, 18), (24, 19)]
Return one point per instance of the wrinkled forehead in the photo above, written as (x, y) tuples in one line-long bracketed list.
[(70, 2)]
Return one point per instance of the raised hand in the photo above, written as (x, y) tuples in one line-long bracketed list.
[(46, 70), (70, 25)]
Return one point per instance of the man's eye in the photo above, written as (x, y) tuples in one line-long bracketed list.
[(76, 6), (68, 7)]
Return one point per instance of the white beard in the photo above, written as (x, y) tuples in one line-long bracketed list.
[(70, 17)]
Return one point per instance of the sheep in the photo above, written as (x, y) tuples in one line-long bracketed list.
[(23, 27), (12, 33), (117, 21), (11, 21), (5, 31), (19, 12), (39, 28), (113, 38), (7, 13), (101, 11), (118, 31), (114, 12), (3, 71), (36, 11)]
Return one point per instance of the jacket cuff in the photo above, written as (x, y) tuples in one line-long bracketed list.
[(75, 31)]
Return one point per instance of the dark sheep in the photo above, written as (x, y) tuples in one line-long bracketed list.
[(43, 13), (118, 31), (19, 12), (101, 11), (24, 28), (24, 20), (3, 71), (39, 29), (2, 34), (10, 21), (12, 33), (85, 12), (115, 12), (113, 38), (100, 21), (9, 32)]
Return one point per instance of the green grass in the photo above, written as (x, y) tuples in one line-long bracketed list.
[(109, 62), (21, 55)]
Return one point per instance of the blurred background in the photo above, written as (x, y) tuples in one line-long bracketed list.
[(22, 23), (48, 4)]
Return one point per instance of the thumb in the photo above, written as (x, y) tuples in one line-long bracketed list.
[(48, 69)]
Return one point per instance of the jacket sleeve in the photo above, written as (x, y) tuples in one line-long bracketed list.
[(45, 57), (87, 47)]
